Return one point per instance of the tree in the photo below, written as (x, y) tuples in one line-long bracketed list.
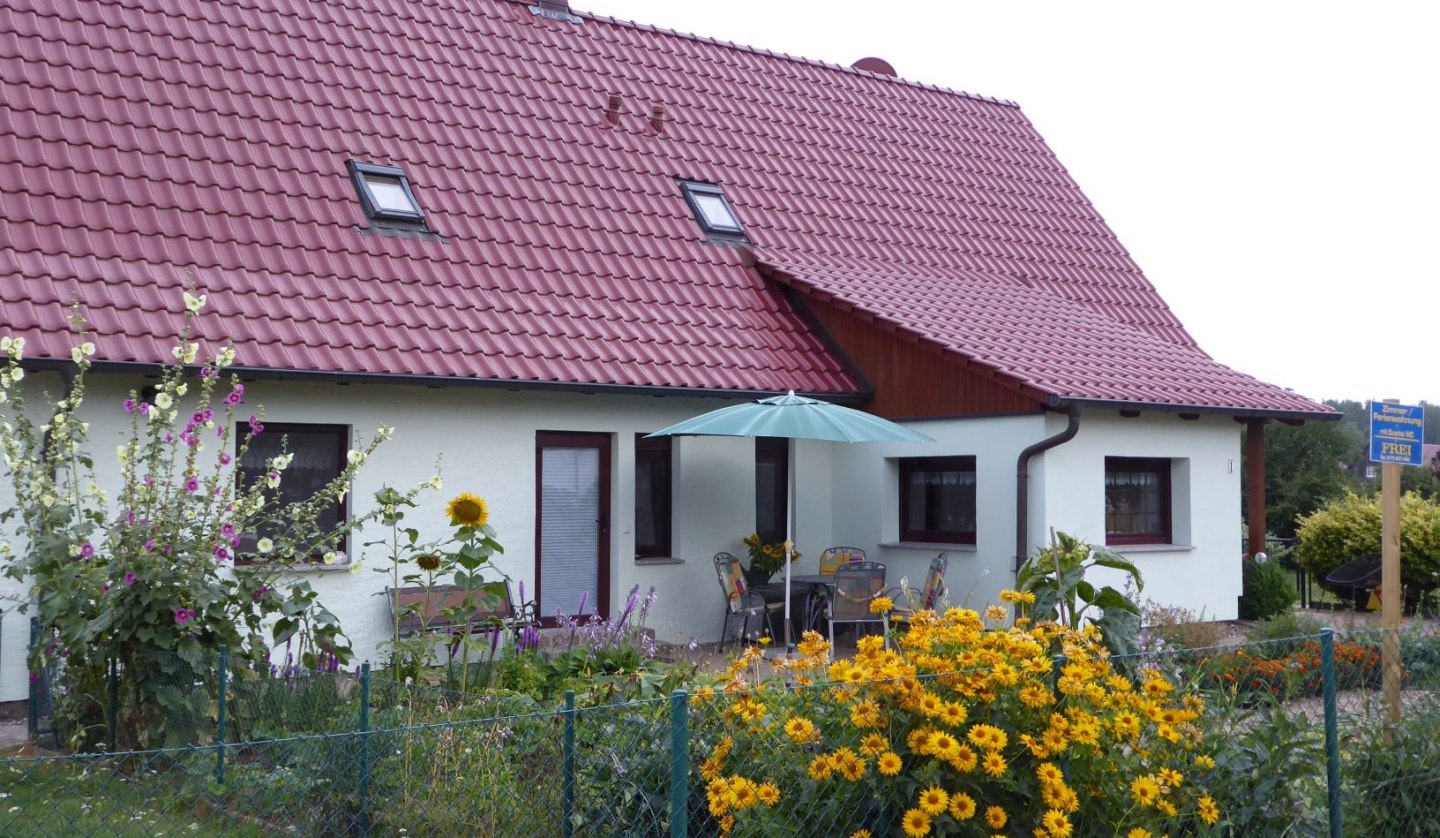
[(1305, 468)]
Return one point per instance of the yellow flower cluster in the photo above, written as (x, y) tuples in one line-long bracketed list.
[(1025, 727)]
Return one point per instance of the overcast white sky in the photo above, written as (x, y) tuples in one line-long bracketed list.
[(1273, 165)]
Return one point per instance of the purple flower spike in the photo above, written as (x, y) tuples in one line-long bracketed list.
[(129, 578), (522, 591), (584, 600)]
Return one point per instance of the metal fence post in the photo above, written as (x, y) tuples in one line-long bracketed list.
[(1332, 733), (679, 764), (567, 782), (112, 721), (220, 684), (362, 790)]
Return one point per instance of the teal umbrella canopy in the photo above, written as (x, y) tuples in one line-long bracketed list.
[(794, 417)]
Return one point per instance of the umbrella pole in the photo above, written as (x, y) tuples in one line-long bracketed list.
[(789, 536)]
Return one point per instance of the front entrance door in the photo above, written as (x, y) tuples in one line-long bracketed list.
[(572, 526)]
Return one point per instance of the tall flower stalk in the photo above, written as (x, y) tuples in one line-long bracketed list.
[(147, 578)]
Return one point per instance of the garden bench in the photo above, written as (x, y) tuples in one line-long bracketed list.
[(416, 603)]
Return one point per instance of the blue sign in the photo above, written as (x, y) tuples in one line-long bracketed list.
[(1397, 433)]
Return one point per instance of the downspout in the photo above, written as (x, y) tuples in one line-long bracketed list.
[(1022, 481)]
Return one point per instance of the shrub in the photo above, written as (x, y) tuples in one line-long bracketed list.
[(964, 724), (1172, 627), (1348, 528), (1289, 672), (1269, 589), (146, 578), (1283, 626)]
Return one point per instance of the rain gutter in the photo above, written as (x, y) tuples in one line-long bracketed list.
[(1022, 480)]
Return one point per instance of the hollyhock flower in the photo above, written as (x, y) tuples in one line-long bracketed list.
[(272, 479), (183, 615), (150, 545), (87, 550), (144, 408), (255, 427), (236, 396), (227, 530), (225, 458), (222, 553), (264, 545), (129, 578), (129, 405), (192, 484)]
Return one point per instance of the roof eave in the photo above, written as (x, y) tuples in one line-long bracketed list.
[(324, 376), (1059, 402)]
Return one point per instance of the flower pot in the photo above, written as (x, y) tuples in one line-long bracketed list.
[(757, 576)]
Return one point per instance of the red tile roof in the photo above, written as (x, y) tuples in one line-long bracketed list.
[(148, 138), (1047, 345)]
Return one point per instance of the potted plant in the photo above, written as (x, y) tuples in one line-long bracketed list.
[(765, 559)]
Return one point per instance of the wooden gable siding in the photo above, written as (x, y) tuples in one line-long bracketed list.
[(910, 380)]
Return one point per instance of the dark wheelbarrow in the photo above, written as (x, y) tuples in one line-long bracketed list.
[(1354, 580)]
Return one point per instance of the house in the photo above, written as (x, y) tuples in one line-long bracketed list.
[(525, 236)]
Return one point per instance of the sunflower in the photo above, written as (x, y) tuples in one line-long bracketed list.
[(962, 806), (917, 823), (1057, 824), (468, 510), (888, 764), (996, 817), (768, 793), (428, 561), (993, 763), (1145, 790), (1208, 811), (934, 801)]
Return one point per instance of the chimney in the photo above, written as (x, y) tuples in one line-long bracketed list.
[(657, 119), (878, 66), (612, 108)]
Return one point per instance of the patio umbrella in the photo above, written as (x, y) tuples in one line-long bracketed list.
[(793, 417)]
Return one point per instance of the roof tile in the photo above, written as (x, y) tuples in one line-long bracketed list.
[(147, 138)]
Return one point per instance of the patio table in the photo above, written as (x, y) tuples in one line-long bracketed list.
[(811, 585)]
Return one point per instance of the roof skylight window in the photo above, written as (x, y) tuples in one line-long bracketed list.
[(385, 194), (716, 217)]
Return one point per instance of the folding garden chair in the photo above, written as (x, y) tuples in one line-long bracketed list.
[(834, 557), (739, 600)]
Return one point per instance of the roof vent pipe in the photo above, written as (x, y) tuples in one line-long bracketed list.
[(1022, 482), (879, 66), (554, 10)]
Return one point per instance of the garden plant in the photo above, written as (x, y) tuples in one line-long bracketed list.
[(142, 575)]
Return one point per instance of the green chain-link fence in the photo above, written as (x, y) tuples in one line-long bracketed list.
[(1304, 739)]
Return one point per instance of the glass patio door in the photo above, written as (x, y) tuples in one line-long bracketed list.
[(573, 523)]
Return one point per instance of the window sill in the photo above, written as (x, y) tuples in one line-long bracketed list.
[(928, 546), (1152, 548), (297, 567), (659, 560)]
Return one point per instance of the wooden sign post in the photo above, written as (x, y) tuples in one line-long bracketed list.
[(1396, 438)]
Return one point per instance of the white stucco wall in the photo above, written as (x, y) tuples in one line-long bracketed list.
[(1202, 571), (484, 440)]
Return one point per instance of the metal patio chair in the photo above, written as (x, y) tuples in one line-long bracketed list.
[(856, 584), (739, 600), (835, 557), (909, 600)]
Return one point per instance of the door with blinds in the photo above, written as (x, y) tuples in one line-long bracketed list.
[(572, 526)]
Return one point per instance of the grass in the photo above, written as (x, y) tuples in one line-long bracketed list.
[(96, 797)]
